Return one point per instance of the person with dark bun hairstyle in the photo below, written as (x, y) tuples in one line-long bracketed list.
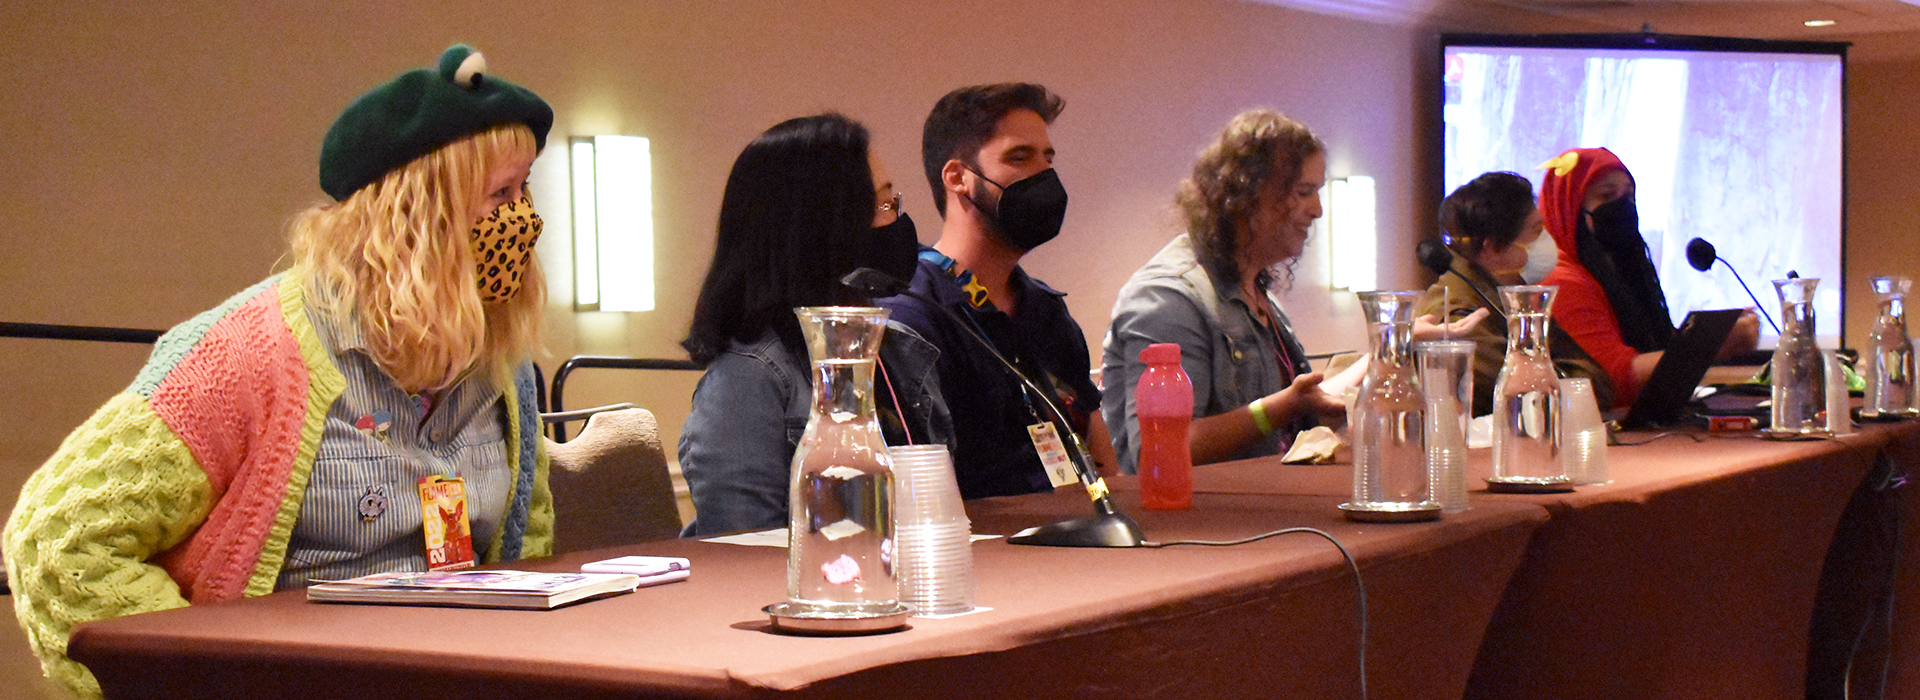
[(806, 203), (1487, 226), (301, 430)]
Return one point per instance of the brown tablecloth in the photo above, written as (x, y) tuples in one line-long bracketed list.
[(1691, 575), (1903, 677), (1275, 618)]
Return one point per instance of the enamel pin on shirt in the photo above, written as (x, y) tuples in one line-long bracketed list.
[(375, 425), (373, 503)]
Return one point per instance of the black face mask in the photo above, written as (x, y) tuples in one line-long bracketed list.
[(1030, 211), (1616, 255), (894, 248), (1617, 226)]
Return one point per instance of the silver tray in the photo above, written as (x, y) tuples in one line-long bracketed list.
[(1421, 512), (788, 617), (1794, 435), (1530, 484)]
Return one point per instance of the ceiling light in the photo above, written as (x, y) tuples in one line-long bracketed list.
[(1819, 23)]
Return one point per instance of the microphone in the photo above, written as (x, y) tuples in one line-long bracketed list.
[(1701, 254), (1107, 527), (1437, 259)]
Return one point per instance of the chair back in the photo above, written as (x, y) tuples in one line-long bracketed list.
[(610, 483)]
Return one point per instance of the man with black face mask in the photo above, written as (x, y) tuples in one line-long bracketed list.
[(989, 162)]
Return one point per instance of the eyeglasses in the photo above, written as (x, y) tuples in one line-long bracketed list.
[(891, 205)]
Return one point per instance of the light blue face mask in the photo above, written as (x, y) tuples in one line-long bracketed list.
[(1542, 255)]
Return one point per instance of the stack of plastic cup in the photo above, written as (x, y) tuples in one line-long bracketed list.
[(1583, 436), (1446, 379), (933, 540)]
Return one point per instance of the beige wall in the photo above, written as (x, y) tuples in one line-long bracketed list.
[(154, 150), (1883, 194)]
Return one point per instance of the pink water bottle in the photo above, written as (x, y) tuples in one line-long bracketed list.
[(1163, 401)]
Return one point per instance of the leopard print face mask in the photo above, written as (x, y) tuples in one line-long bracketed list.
[(503, 245)]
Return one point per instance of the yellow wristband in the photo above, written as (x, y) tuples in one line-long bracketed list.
[(1259, 412)]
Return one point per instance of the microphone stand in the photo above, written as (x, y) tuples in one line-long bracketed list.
[(1749, 290), (1107, 527)]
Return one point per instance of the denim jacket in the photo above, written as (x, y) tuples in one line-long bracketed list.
[(750, 409), (1228, 356)]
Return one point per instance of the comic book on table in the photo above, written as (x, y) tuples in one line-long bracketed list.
[(479, 589)]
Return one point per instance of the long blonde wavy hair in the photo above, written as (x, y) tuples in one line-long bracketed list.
[(396, 260)]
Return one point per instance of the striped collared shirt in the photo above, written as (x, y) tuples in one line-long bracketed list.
[(361, 510)]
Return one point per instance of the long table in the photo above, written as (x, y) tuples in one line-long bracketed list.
[(1693, 574), (1273, 618)]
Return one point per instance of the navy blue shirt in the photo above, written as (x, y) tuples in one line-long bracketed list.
[(993, 454)]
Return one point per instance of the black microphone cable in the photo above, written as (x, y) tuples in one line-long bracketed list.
[(1438, 260), (1359, 587), (1122, 530), (1701, 255)]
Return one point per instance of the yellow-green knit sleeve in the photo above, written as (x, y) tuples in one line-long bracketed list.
[(120, 490), (538, 541)]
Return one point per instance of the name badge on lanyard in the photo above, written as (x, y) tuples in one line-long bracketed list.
[(1053, 455), (443, 518)]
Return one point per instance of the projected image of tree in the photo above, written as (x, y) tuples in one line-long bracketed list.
[(1741, 149)]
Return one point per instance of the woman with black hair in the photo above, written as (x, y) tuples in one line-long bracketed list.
[(806, 203)]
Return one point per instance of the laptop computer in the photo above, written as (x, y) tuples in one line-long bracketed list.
[(1664, 398)]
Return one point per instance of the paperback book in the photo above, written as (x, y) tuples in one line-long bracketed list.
[(478, 589)]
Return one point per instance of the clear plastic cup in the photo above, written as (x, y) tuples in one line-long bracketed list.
[(1583, 441), (1446, 380), (933, 540)]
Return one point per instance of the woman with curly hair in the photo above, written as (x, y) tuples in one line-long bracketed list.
[(293, 433), (1247, 206)]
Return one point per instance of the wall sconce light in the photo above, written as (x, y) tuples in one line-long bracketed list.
[(1353, 235), (612, 223)]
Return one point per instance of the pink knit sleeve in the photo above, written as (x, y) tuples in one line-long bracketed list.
[(237, 400)]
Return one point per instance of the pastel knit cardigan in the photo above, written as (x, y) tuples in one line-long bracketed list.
[(185, 487)]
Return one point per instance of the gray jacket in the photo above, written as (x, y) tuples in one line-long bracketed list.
[(1228, 356), (750, 409)]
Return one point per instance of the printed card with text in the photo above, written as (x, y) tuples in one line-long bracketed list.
[(443, 518), (1053, 455)]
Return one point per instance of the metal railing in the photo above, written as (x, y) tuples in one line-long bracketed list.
[(106, 334), (558, 394)]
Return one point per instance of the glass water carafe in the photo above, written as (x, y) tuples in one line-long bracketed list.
[(840, 537), (1890, 362), (1390, 476), (1799, 372), (1526, 399)]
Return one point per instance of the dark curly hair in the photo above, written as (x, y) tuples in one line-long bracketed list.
[(1486, 213), (1223, 191)]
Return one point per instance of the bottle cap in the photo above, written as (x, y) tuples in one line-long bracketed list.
[(1161, 354)]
